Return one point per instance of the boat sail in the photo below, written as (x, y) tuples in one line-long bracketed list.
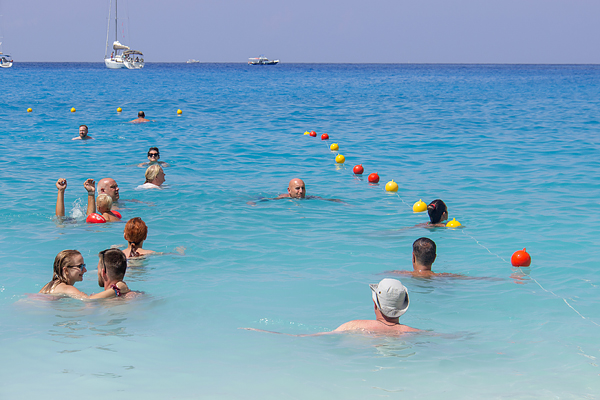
[(122, 56), (6, 60)]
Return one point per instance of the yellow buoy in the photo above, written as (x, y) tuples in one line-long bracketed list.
[(453, 224), (307, 133), (179, 112), (119, 109), (340, 159), (73, 109), (334, 147), (29, 110), (391, 186), (419, 206)]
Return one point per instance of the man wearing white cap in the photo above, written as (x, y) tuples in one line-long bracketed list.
[(391, 301)]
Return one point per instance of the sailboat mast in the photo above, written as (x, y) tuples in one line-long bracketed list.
[(116, 21)]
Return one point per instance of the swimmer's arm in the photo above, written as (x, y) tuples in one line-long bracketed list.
[(90, 186), (287, 334), (61, 185)]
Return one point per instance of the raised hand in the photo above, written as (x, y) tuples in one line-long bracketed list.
[(61, 184), (90, 186)]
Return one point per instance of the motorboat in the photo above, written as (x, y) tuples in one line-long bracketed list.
[(122, 56), (6, 60), (133, 59), (192, 61), (262, 60)]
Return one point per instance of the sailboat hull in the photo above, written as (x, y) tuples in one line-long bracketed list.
[(114, 63)]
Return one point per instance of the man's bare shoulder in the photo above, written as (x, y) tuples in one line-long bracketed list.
[(431, 274), (375, 327)]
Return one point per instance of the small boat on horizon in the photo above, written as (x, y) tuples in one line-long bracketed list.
[(192, 61), (262, 60), (6, 60)]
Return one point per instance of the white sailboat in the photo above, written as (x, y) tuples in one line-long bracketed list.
[(121, 56)]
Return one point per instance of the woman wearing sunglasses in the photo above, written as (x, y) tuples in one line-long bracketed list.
[(68, 269), (153, 158)]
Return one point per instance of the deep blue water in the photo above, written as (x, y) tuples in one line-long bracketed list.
[(512, 150)]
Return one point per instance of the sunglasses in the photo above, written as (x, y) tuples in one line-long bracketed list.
[(153, 155), (80, 266)]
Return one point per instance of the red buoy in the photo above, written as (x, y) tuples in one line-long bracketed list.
[(313, 133), (520, 258), (358, 169), (374, 178), (324, 136)]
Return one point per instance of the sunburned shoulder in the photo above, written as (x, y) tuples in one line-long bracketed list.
[(375, 326)]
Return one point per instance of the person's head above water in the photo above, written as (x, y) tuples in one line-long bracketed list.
[(136, 231), (390, 298), (103, 203), (297, 189), (109, 186), (112, 266), (153, 154), (68, 269), (437, 211), (424, 253), (83, 131), (155, 175), (141, 114)]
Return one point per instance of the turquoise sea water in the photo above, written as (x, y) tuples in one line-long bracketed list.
[(512, 150)]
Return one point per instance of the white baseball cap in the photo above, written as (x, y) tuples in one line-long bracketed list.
[(391, 297)]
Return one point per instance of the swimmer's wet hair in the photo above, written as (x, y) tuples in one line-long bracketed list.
[(152, 172), (104, 201), (424, 250), (136, 231), (114, 262), (141, 114), (86, 127), (435, 209), (62, 260)]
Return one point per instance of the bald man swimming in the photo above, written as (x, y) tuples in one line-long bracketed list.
[(296, 190)]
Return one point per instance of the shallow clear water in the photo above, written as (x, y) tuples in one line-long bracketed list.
[(512, 150)]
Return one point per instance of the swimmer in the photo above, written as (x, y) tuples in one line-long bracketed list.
[(390, 299), (155, 177), (438, 213), (423, 256), (69, 268), (112, 266), (141, 118), (83, 133), (153, 158), (104, 204), (296, 190), (110, 187), (135, 233)]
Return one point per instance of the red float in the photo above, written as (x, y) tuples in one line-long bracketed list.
[(374, 178), (324, 136), (520, 258), (313, 133), (95, 219), (358, 169)]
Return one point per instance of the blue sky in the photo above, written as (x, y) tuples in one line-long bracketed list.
[(381, 31)]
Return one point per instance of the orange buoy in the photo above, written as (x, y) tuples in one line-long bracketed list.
[(520, 258)]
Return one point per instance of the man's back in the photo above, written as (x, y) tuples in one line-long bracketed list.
[(375, 326)]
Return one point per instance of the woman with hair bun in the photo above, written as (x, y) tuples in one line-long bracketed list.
[(438, 213), (68, 269), (135, 233)]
